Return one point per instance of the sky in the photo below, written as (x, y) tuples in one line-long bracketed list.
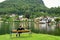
[(48, 3), (52, 3), (2, 0)]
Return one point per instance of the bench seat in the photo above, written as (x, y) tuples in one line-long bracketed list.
[(23, 31)]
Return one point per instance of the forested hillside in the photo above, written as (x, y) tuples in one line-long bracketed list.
[(21, 6)]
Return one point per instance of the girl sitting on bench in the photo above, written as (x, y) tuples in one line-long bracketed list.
[(20, 28)]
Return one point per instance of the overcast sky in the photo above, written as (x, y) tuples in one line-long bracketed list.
[(48, 3), (2, 0), (52, 3)]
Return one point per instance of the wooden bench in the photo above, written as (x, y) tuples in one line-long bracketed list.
[(23, 31)]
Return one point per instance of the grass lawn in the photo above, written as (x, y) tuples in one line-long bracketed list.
[(32, 37)]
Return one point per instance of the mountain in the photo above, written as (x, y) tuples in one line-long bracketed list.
[(21, 6)]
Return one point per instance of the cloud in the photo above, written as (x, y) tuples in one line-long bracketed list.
[(52, 3), (2, 0)]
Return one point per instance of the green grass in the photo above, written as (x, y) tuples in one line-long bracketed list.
[(32, 37)]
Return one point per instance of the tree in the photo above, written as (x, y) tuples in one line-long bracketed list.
[(57, 22)]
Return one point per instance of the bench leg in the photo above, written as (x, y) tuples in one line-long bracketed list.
[(16, 34)]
